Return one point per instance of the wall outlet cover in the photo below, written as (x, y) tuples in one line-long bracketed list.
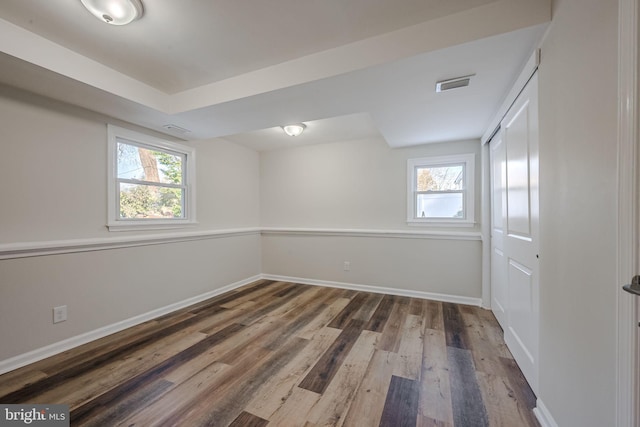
[(59, 314)]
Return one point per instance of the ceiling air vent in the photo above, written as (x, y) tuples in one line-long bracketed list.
[(176, 129), (454, 83)]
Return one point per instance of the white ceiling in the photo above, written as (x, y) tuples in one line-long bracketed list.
[(232, 68), (334, 129)]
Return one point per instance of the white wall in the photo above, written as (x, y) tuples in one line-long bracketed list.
[(101, 288), (53, 172), (425, 266), (54, 167), (360, 185), (347, 184), (578, 95)]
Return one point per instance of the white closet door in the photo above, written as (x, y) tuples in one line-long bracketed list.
[(498, 162), (515, 233)]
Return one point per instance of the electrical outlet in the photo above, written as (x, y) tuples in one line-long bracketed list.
[(59, 314), (347, 266)]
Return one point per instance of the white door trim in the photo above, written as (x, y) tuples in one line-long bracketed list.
[(485, 225), (627, 360)]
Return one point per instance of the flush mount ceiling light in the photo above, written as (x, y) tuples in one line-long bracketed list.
[(115, 12), (454, 83), (295, 129)]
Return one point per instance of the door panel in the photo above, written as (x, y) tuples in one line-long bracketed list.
[(518, 189), (514, 232), (497, 160), (520, 310), (499, 288)]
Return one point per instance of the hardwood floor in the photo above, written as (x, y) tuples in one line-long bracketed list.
[(285, 354)]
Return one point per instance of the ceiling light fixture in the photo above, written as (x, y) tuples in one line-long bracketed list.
[(115, 12), (295, 129)]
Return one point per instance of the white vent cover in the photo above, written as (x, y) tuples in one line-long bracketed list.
[(176, 129), (453, 83)]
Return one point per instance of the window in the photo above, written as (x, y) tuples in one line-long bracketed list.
[(151, 182), (440, 190)]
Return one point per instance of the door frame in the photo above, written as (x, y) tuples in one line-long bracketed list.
[(628, 360)]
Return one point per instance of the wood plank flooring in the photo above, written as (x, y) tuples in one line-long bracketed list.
[(285, 354)]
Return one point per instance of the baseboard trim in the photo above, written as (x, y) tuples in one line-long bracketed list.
[(543, 415), (69, 343), (378, 289)]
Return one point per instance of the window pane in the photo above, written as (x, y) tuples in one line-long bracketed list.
[(149, 165), (440, 178), (149, 201), (440, 205)]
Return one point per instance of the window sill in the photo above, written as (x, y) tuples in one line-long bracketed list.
[(440, 223), (149, 225)]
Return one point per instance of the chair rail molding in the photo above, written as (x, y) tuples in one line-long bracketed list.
[(54, 247), (355, 232)]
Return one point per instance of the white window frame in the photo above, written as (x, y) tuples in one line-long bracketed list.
[(114, 222), (468, 160)]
